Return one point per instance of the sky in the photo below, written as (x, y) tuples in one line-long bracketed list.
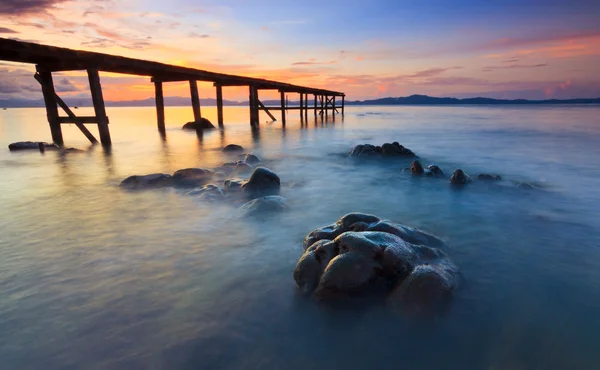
[(368, 49)]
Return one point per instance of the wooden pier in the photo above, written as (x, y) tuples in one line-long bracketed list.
[(50, 59)]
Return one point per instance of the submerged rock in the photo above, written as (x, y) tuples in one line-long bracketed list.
[(155, 180), (359, 250), (433, 170), (264, 205), (232, 148), (232, 185), (262, 182), (386, 150), (201, 124), (208, 192), (251, 159), (459, 177), (192, 177), (32, 145), (416, 168), (488, 177)]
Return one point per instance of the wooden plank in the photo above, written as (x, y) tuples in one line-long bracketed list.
[(195, 100), (160, 106), (74, 120), (219, 105), (99, 108), (282, 107), (51, 107)]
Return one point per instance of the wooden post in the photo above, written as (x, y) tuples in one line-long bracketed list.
[(315, 106), (254, 114), (51, 107), (99, 108), (333, 106), (301, 103), (282, 107), (326, 106), (321, 98), (306, 106), (343, 98), (220, 105), (195, 100), (160, 106)]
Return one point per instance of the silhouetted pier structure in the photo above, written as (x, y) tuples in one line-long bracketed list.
[(50, 59)]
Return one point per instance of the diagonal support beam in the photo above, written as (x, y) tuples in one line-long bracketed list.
[(262, 106)]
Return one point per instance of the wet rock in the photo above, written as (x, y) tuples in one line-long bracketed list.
[(31, 145), (243, 167), (232, 148), (208, 192), (232, 185), (416, 168), (251, 159), (192, 177), (262, 182), (201, 124), (488, 177), (433, 170), (459, 177), (360, 250), (155, 180), (386, 150), (264, 205)]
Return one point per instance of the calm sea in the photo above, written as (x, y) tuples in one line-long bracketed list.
[(92, 277)]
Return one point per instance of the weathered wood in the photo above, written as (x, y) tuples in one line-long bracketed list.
[(51, 107), (282, 107), (253, 102), (160, 106), (195, 100), (315, 105), (343, 98), (99, 108), (306, 107), (72, 118), (262, 106), (219, 105), (333, 110)]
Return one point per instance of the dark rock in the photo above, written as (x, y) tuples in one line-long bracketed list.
[(155, 180), (488, 177), (31, 145), (416, 168), (459, 177), (232, 148), (264, 205), (386, 150), (208, 192), (433, 170), (192, 177), (243, 167), (347, 273), (251, 159), (201, 124), (232, 185), (262, 182)]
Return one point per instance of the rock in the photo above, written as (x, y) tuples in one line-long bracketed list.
[(488, 177), (416, 168), (201, 124), (31, 145), (192, 177), (360, 250), (386, 150), (208, 192), (155, 180), (264, 205), (232, 185), (243, 167), (433, 170), (251, 159), (262, 182), (232, 148), (459, 177)]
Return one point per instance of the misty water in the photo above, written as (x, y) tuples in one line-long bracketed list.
[(94, 277)]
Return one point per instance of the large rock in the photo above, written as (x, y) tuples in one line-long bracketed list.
[(262, 182), (192, 177), (350, 256), (31, 145), (201, 124), (264, 205), (386, 150), (155, 180)]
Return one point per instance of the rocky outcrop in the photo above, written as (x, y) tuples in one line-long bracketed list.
[(201, 124), (264, 205), (232, 148), (386, 150), (262, 182), (360, 252), (32, 145), (155, 180)]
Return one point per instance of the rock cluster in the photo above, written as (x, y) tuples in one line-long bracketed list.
[(360, 252), (386, 150)]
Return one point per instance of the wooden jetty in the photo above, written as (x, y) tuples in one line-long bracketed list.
[(50, 59)]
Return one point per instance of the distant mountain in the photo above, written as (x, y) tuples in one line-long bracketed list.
[(429, 100), (408, 100)]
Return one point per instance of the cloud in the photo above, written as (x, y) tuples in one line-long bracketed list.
[(7, 30), (312, 62), (64, 85), (20, 7), (198, 36), (431, 72), (514, 66)]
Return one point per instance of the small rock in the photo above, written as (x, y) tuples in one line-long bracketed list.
[(208, 192), (201, 124), (416, 168), (434, 170), (231, 185), (31, 145), (459, 177), (263, 205), (262, 182), (488, 177), (190, 177), (155, 180), (232, 148), (251, 159)]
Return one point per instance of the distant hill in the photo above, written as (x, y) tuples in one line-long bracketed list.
[(429, 100), (408, 100)]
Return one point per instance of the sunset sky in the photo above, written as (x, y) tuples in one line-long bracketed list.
[(509, 49)]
